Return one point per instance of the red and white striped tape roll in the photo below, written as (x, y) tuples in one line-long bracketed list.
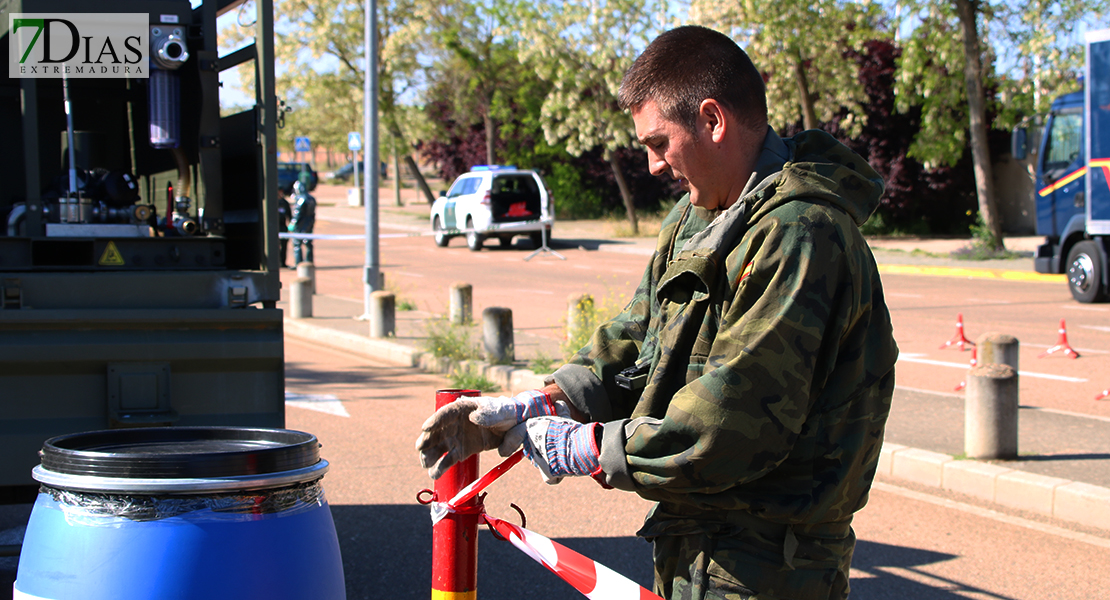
[(593, 579)]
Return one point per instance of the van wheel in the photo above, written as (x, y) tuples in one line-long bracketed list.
[(1085, 272), (473, 238), (537, 239), (441, 237)]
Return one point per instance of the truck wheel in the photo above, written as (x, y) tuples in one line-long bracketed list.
[(1085, 272), (441, 236), (473, 238)]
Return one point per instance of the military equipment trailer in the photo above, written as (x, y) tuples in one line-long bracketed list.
[(138, 233)]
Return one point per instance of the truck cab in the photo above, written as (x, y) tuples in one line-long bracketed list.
[(1073, 180)]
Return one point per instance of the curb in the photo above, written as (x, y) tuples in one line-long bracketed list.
[(1049, 496), (511, 379)]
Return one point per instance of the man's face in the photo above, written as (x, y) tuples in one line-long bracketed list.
[(684, 155)]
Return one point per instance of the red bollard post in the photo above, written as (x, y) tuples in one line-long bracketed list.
[(455, 537)]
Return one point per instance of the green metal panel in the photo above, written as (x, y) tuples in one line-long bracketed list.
[(220, 367)]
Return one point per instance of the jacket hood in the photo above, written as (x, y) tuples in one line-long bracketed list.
[(812, 164)]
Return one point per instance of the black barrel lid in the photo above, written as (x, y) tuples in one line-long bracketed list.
[(180, 452)]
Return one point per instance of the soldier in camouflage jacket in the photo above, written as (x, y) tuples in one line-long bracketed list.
[(764, 346)]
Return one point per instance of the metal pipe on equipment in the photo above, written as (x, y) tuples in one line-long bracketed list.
[(372, 267), (455, 536)]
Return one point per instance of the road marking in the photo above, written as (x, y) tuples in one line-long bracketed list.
[(896, 295), (969, 273), (992, 514), (325, 403), (1082, 307), (988, 301), (1066, 413), (1079, 350), (1095, 327), (940, 363)]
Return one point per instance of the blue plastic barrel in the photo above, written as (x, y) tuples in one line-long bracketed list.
[(181, 513)]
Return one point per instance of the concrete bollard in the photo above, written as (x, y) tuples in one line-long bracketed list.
[(383, 314), (300, 298), (998, 349), (497, 335), (307, 269), (991, 412), (579, 309), (461, 304)]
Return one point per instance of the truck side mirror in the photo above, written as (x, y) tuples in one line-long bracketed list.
[(1019, 142)]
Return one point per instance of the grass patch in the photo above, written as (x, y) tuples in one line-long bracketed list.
[(591, 314), (445, 339), (470, 379), (649, 222), (543, 364)]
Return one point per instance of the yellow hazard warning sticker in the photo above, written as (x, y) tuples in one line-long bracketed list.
[(111, 256)]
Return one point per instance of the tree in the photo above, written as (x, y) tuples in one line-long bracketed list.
[(583, 49), (320, 54), (800, 46)]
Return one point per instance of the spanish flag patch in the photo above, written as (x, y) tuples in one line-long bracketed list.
[(747, 270)]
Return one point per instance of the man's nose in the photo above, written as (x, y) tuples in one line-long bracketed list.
[(656, 165)]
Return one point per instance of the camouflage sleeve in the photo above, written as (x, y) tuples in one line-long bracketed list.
[(589, 378), (778, 336)]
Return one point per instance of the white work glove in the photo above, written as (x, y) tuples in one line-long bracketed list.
[(559, 447), (472, 424)]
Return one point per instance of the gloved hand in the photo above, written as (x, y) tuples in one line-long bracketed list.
[(559, 447), (503, 414), (472, 424)]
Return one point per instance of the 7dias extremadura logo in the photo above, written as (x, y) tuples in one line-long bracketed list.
[(78, 45)]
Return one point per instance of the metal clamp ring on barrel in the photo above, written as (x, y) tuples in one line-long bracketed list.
[(124, 485)]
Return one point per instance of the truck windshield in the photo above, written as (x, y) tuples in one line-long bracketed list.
[(1064, 141)]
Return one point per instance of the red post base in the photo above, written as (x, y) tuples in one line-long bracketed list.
[(455, 537)]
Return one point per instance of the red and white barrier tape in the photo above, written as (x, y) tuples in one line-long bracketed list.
[(593, 579)]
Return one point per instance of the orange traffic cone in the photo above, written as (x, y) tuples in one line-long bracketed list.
[(1061, 345), (1104, 395), (958, 340), (974, 363)]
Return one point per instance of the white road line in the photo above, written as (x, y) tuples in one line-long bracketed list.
[(1079, 350), (1066, 413), (993, 514), (1095, 327), (1084, 307), (325, 403), (897, 295), (940, 363)]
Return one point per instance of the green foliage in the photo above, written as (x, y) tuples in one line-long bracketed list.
[(879, 225), (470, 379), (574, 199), (591, 314), (781, 38), (542, 364), (445, 339), (984, 244)]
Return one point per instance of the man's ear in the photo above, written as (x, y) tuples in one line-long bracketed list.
[(714, 120)]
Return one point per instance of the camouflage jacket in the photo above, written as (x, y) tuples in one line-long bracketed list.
[(770, 366)]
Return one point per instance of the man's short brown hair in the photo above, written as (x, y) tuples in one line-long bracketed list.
[(687, 65)]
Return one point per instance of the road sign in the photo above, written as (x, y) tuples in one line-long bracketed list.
[(354, 141), (301, 144)]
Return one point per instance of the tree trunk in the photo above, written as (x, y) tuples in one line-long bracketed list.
[(487, 121), (976, 104), (397, 172), (395, 131), (626, 195), (809, 114)]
